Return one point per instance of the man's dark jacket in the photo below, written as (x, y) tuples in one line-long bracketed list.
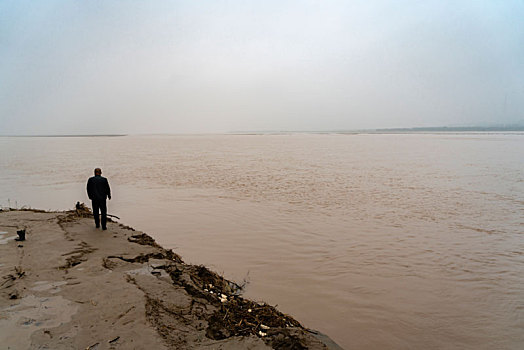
[(98, 188)]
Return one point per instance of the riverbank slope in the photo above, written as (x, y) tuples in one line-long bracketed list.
[(70, 285)]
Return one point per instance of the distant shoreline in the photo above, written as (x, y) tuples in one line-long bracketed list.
[(109, 135), (415, 130), (454, 129), (437, 129)]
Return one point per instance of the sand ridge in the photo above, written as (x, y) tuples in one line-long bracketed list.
[(70, 285)]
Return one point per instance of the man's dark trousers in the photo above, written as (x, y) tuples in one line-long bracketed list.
[(100, 205)]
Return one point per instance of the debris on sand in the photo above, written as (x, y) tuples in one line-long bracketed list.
[(130, 292), (143, 239), (21, 235)]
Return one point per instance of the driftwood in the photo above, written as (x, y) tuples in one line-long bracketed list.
[(113, 216), (81, 208)]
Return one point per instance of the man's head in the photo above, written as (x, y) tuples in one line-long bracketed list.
[(98, 171)]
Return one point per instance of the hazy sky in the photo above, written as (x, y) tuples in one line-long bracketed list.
[(214, 66)]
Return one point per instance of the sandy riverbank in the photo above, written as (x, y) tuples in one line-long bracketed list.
[(71, 286)]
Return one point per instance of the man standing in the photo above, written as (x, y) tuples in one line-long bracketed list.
[(97, 190)]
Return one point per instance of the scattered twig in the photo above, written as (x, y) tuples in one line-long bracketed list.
[(92, 346), (8, 278), (19, 271), (113, 340), (123, 314)]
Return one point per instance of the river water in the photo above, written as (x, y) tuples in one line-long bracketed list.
[(399, 241)]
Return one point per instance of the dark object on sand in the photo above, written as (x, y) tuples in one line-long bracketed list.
[(14, 295), (21, 235), (83, 210), (114, 340)]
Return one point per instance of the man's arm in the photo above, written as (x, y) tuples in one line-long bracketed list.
[(108, 190), (89, 188)]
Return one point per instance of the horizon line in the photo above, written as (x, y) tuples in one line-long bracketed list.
[(501, 128)]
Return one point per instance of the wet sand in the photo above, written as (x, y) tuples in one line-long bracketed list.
[(70, 285)]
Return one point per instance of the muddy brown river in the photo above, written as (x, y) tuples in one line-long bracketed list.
[(407, 241)]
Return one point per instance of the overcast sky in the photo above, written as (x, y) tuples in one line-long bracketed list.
[(77, 67)]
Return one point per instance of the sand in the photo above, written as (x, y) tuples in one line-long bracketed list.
[(72, 286)]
